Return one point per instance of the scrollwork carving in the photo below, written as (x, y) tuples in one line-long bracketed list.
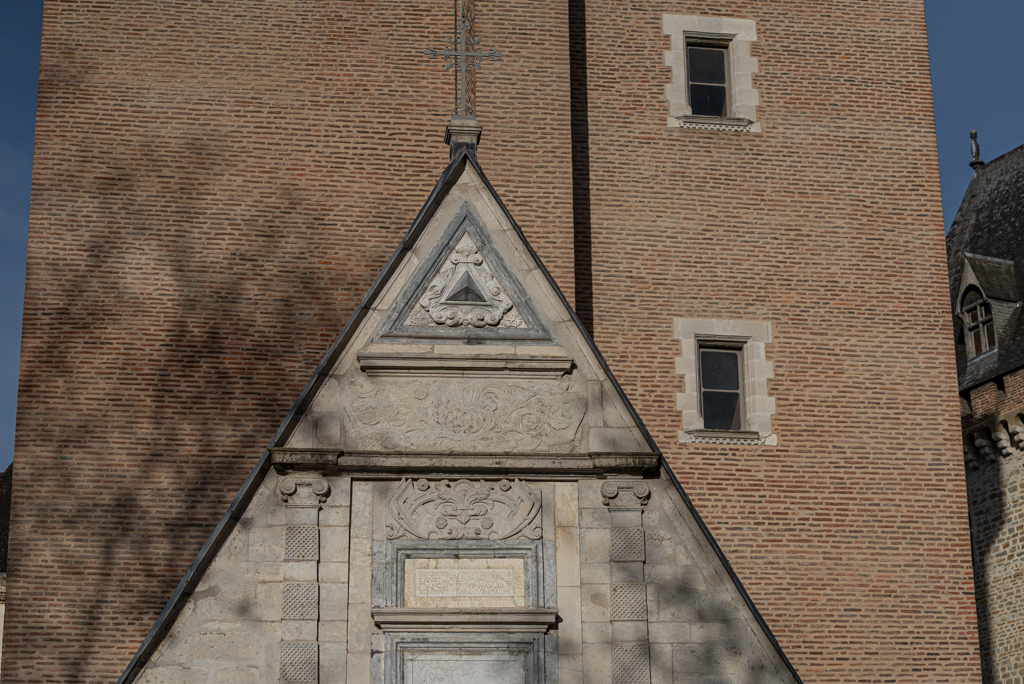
[(464, 510), (465, 415)]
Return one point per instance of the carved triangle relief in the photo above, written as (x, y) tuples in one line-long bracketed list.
[(465, 292), (464, 289)]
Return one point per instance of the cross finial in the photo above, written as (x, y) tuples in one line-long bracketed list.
[(975, 151), (463, 54)]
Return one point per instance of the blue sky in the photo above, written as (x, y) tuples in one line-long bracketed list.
[(976, 74)]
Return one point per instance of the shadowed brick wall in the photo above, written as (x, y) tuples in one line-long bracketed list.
[(217, 184)]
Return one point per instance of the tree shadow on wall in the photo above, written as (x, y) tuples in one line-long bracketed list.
[(186, 328)]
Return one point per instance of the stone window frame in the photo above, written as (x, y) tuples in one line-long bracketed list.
[(983, 321), (753, 337), (389, 565), (743, 98)]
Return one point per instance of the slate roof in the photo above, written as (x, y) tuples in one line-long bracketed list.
[(989, 231)]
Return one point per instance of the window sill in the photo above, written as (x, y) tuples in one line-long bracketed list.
[(984, 355), (726, 437), (713, 123)]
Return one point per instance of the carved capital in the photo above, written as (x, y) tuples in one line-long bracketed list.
[(304, 491), (625, 494)]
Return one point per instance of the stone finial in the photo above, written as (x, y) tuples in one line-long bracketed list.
[(975, 151)]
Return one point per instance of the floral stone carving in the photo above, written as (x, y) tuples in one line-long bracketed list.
[(464, 510), (465, 293), (458, 415)]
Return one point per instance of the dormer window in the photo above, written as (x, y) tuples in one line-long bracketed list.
[(980, 334)]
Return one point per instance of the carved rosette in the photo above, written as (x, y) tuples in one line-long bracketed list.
[(464, 510), (466, 293)]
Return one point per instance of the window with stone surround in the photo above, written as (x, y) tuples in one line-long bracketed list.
[(980, 331), (712, 73), (725, 398)]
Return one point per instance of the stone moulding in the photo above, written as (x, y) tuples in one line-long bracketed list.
[(480, 620), (443, 364), (463, 510), (378, 464)]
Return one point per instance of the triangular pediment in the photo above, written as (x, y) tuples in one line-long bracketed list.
[(460, 456), (469, 347)]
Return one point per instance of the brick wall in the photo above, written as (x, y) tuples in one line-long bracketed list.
[(215, 187), (217, 184), (851, 535)]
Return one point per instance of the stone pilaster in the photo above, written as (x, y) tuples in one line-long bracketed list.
[(300, 607), (628, 601)]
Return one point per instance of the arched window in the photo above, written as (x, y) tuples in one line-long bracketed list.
[(977, 317)]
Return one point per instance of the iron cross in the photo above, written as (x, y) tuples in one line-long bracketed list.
[(459, 59)]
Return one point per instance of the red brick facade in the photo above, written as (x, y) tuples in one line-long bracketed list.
[(217, 184)]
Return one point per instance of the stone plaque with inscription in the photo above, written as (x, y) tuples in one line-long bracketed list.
[(464, 583)]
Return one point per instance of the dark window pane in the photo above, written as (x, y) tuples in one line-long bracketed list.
[(721, 411), (986, 310), (707, 100), (990, 331), (707, 65), (977, 341), (972, 315), (719, 370)]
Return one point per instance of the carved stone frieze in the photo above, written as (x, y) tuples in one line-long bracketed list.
[(464, 509), (304, 491), (625, 494), (464, 414), (465, 293)]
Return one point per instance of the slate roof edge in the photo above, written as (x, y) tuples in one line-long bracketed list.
[(248, 490), (1006, 262), (1001, 157)]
